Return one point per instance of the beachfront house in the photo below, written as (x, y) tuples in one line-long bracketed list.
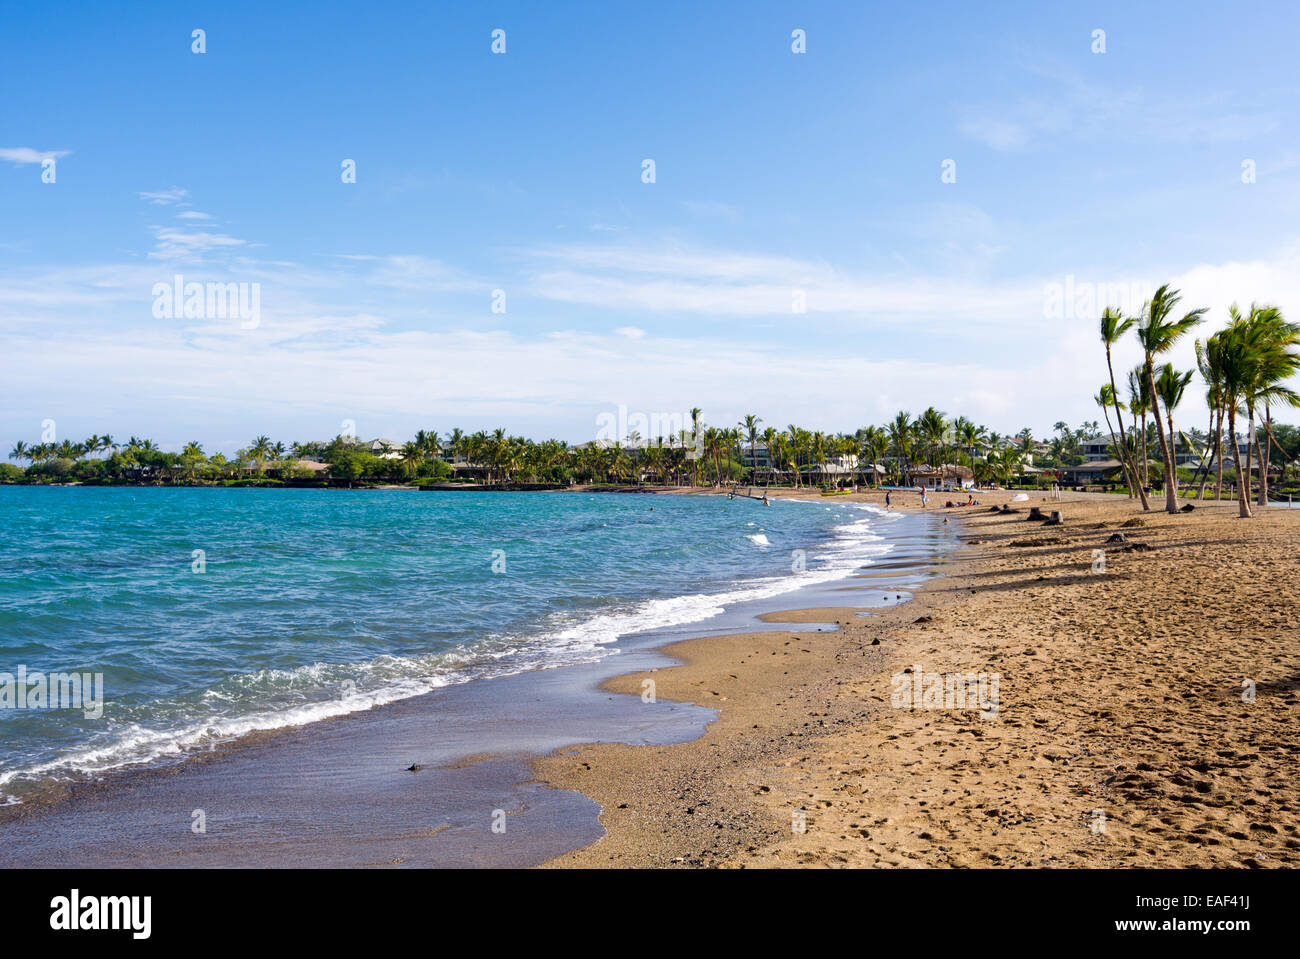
[(949, 475), (760, 458), (385, 449), (1095, 471), (1095, 449)]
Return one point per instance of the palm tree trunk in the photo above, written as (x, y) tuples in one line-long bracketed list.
[(1125, 455), (1264, 456), (1243, 497), (1171, 478), (1146, 473), (1173, 472), (1205, 472), (1218, 443)]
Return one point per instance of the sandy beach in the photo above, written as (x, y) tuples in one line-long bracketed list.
[(1146, 712)]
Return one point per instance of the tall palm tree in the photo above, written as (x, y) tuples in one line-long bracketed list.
[(932, 427), (696, 446), (1208, 362), (1139, 402), (1170, 385), (1158, 331), (875, 442), (750, 426), (1267, 340), (1236, 363), (260, 450), (769, 440), (1113, 326), (901, 436), (21, 451), (1105, 398)]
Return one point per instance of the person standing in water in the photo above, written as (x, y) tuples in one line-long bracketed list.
[(923, 496), (887, 506)]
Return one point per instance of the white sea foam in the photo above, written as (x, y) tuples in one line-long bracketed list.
[(759, 539)]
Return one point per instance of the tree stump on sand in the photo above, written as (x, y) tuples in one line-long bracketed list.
[(1056, 519)]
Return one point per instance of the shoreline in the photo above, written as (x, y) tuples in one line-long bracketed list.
[(1107, 710), (482, 735), (1121, 739)]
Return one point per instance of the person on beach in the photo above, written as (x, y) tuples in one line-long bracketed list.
[(922, 489), (887, 506)]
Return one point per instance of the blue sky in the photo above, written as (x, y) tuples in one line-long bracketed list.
[(776, 172)]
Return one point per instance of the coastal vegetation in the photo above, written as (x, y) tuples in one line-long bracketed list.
[(1244, 368), (928, 448)]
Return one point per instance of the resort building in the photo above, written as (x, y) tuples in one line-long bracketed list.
[(385, 449), (760, 458), (1095, 471), (1096, 448)]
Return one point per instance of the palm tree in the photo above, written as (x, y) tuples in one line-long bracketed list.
[(1262, 359), (695, 443), (1105, 398), (769, 440), (412, 454), (875, 442), (1113, 326), (901, 436), (1170, 385), (1139, 402), (1236, 363), (750, 426), (1158, 332), (21, 451), (931, 426), (1277, 363), (260, 450), (1208, 362)]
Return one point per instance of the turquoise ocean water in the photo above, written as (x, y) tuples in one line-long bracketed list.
[(306, 604)]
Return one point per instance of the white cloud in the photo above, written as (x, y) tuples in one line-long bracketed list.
[(176, 243), (24, 155), (339, 342), (1071, 107), (166, 197)]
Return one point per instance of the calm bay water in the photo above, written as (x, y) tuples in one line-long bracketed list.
[(316, 603)]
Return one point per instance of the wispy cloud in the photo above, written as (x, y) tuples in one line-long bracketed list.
[(1068, 107), (166, 197), (672, 280), (177, 243), (24, 155)]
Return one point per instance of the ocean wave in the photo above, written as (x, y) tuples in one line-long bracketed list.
[(237, 706)]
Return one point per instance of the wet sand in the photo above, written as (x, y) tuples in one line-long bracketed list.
[(1126, 734)]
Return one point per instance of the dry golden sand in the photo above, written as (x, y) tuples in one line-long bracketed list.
[(1121, 696)]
